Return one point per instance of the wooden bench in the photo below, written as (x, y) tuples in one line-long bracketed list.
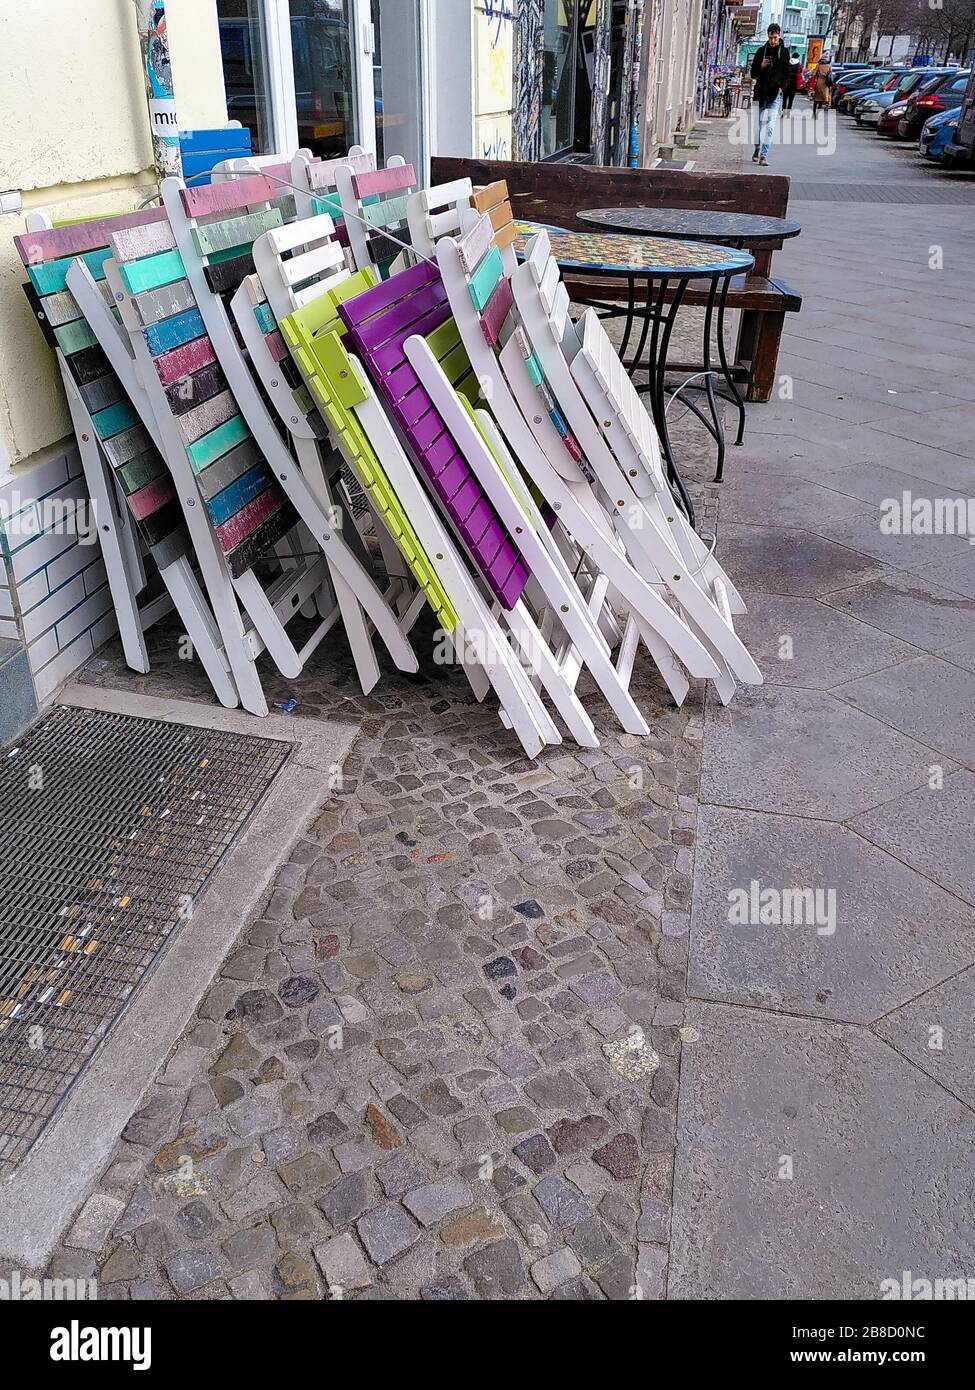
[(554, 192)]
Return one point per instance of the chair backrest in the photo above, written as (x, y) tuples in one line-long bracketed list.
[(48, 253), (315, 334), (494, 203), (273, 165), (244, 501), (414, 303), (436, 212), (291, 262), (470, 266), (374, 205), (314, 180), (201, 150)]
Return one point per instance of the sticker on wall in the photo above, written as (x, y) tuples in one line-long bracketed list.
[(163, 119)]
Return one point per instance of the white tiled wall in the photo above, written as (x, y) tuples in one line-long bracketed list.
[(55, 586)]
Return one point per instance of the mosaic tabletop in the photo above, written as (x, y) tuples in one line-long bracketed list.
[(693, 224), (652, 257)]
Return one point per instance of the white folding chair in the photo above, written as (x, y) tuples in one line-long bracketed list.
[(359, 599), (432, 213), (657, 536), (489, 338), (365, 435), (374, 206), (290, 262)]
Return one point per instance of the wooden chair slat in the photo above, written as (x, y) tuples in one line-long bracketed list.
[(496, 312), (49, 278), (57, 242), (226, 197), (173, 333), (155, 305), (184, 361), (219, 441), (322, 174), (153, 272), (132, 243), (192, 390), (228, 468), (474, 245), (213, 237), (380, 181), (491, 196), (206, 416), (113, 419)]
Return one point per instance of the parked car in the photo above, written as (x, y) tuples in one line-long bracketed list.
[(868, 107), (961, 152), (874, 81), (937, 134), (943, 94), (890, 120)]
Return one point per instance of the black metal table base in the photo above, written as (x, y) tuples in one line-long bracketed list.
[(658, 314)]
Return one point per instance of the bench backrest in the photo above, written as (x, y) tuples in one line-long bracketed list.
[(554, 193)]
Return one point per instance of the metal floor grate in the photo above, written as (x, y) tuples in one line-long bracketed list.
[(962, 195), (110, 827)]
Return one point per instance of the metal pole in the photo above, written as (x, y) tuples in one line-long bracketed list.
[(163, 119)]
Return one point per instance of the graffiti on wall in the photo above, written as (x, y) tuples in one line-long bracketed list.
[(494, 41)]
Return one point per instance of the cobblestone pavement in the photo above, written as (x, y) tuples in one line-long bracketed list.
[(443, 1064)]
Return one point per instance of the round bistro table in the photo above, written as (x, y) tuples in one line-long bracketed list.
[(742, 230), (662, 268)]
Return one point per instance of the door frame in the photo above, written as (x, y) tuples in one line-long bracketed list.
[(276, 15)]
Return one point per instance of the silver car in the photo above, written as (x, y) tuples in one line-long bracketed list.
[(869, 109)]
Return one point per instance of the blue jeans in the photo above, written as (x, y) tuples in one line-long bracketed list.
[(768, 114)]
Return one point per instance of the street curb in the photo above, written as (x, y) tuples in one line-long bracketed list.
[(40, 1198)]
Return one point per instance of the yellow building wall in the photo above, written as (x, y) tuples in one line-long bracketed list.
[(74, 139)]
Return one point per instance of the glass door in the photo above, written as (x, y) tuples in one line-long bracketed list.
[(397, 80), (244, 49), (558, 77), (324, 76), (327, 74)]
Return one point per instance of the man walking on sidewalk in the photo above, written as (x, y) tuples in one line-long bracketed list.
[(770, 71)]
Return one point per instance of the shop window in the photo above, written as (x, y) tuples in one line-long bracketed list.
[(243, 44), (558, 77)]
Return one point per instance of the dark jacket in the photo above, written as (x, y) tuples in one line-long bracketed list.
[(773, 79)]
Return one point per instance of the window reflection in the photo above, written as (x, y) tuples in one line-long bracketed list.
[(244, 55), (324, 76), (558, 76)]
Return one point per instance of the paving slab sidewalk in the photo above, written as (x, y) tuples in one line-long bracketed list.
[(826, 1105)]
